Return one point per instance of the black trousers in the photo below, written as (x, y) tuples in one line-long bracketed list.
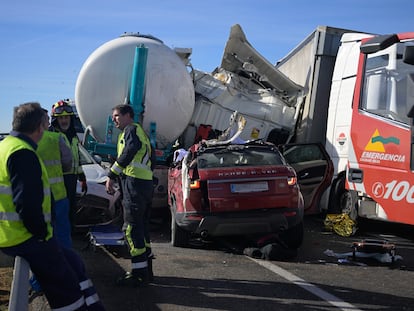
[(71, 181), (60, 272), (137, 202)]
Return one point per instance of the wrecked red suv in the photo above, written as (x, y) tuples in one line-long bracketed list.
[(234, 189)]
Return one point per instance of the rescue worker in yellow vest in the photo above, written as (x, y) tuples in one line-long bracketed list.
[(57, 158), (63, 121), (134, 168), (25, 212)]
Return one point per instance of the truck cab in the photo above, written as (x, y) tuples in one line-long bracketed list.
[(379, 175)]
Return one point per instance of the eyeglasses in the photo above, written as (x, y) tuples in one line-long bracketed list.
[(61, 109)]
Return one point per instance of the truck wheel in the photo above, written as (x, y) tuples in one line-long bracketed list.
[(293, 237), (338, 187), (179, 236), (348, 204), (343, 200)]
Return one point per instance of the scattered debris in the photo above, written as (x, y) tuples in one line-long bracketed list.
[(271, 251), (270, 247)]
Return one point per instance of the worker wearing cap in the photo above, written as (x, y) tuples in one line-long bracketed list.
[(63, 121), (25, 214), (134, 168)]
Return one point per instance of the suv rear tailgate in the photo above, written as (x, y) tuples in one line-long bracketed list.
[(248, 188)]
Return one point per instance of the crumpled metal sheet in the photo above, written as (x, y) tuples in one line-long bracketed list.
[(341, 224)]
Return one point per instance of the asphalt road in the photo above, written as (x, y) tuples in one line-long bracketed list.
[(217, 276)]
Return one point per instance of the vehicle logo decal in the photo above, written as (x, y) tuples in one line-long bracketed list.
[(375, 151), (341, 139)]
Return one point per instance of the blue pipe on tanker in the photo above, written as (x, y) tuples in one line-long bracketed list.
[(136, 95)]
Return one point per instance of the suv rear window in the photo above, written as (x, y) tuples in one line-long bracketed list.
[(239, 157)]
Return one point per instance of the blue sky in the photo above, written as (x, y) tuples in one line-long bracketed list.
[(44, 43)]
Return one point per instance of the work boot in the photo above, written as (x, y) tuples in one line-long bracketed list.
[(130, 279)]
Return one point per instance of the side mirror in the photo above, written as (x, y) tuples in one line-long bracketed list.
[(378, 43), (410, 83), (408, 56)]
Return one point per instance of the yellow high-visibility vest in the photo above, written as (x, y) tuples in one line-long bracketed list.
[(140, 166), (49, 151), (12, 230)]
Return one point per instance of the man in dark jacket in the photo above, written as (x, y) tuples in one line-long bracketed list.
[(134, 168), (25, 214)]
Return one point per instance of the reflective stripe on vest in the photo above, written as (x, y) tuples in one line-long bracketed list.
[(56, 180), (49, 151), (12, 229), (51, 162), (12, 216), (5, 190), (140, 166), (74, 147)]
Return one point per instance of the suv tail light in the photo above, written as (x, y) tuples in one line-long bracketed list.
[(292, 181), (195, 184)]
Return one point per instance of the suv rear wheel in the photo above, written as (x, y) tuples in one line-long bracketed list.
[(179, 236)]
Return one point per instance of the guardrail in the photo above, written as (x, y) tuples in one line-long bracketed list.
[(19, 293)]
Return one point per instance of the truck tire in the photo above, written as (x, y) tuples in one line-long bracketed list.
[(349, 204), (343, 200), (293, 237), (337, 188), (179, 236)]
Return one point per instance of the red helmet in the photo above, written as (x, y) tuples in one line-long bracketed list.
[(62, 108)]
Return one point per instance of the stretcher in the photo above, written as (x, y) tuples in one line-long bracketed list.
[(374, 246), (105, 235)]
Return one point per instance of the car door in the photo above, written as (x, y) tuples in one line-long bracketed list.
[(314, 169)]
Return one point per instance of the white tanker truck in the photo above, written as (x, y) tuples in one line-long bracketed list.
[(112, 74), (142, 71)]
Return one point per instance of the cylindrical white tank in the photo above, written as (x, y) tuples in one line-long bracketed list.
[(105, 78)]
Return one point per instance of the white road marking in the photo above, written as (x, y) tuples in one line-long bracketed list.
[(331, 299)]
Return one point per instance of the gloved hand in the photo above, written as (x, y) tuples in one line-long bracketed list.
[(84, 186)]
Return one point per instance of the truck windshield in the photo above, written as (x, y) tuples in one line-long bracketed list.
[(389, 84)]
